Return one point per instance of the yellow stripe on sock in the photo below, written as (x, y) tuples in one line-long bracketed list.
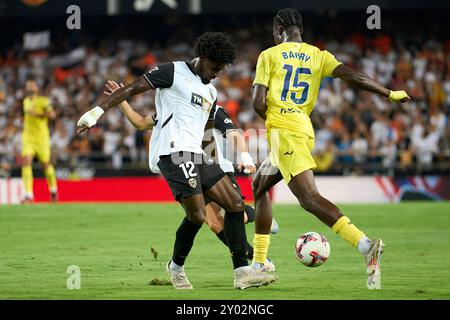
[(261, 244), (348, 231)]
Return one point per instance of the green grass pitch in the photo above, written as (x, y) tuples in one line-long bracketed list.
[(111, 243)]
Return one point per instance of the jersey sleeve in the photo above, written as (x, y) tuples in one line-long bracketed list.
[(329, 63), (212, 111), (222, 122), (262, 76), (161, 76)]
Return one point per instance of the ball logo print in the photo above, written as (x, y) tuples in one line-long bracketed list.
[(312, 249)]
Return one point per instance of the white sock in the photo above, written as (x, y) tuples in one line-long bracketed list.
[(53, 190), (29, 195), (364, 245), (174, 267)]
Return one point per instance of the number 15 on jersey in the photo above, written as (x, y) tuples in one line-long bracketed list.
[(296, 84)]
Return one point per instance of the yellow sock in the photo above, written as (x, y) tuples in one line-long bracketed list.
[(348, 231), (27, 178), (261, 244), (50, 175)]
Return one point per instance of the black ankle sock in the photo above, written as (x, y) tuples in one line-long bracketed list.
[(249, 251), (236, 238), (221, 236), (250, 213), (184, 240)]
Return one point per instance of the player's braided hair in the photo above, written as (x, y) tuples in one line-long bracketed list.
[(216, 47), (288, 17)]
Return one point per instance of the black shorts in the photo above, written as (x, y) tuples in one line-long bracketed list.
[(189, 173)]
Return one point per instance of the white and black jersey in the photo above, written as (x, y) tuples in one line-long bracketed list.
[(222, 126), (184, 104)]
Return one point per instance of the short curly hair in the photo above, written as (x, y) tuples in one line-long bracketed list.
[(216, 47), (288, 17)]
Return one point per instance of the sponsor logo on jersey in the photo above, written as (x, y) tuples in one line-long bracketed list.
[(289, 110), (197, 100), (227, 120)]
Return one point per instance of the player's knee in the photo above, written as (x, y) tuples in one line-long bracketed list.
[(256, 188), (309, 201), (26, 162), (237, 205), (215, 226), (197, 216)]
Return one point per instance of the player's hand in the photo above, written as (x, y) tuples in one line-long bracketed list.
[(247, 163), (111, 86), (89, 119), (399, 96)]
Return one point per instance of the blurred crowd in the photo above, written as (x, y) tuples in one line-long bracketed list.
[(355, 130)]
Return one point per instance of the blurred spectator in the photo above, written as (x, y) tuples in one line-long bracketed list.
[(352, 127)]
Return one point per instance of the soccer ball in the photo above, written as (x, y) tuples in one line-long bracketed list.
[(312, 249)]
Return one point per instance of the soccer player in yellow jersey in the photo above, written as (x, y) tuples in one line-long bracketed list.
[(286, 87), (36, 139)]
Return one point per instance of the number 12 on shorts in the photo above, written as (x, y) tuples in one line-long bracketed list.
[(188, 169), (296, 84)]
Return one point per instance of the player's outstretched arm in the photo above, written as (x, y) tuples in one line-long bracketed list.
[(362, 81), (259, 100), (138, 121), (90, 118)]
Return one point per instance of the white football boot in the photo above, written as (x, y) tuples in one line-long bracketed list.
[(373, 261), (274, 226), (268, 266), (246, 277), (179, 279)]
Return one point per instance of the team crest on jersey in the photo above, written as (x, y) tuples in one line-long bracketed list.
[(192, 182)]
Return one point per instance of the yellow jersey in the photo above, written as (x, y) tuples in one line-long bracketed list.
[(292, 72), (36, 128)]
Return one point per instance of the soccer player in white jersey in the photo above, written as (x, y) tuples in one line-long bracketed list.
[(186, 100), (223, 128)]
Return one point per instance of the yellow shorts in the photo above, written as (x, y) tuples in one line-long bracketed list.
[(290, 152), (40, 149)]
